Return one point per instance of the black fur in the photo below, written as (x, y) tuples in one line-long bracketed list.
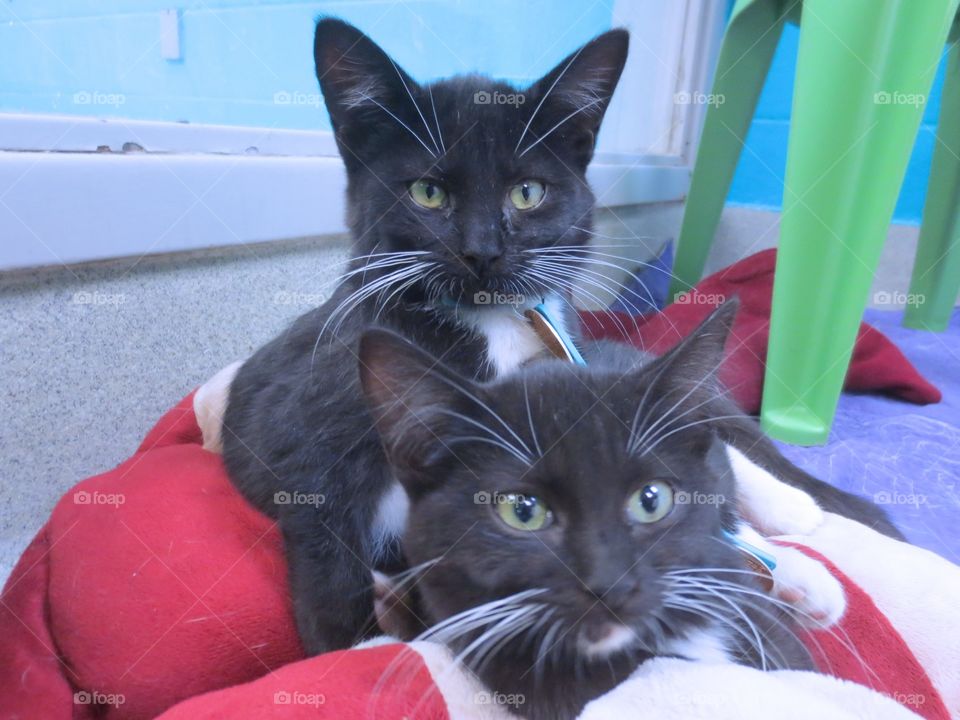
[(295, 419), (596, 565)]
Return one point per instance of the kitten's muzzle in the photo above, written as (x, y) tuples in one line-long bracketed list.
[(482, 261)]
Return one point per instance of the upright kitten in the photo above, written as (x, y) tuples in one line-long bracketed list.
[(564, 525), (448, 198)]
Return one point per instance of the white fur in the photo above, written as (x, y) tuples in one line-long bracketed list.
[(391, 517), (620, 637), (703, 645), (511, 341), (209, 404), (802, 581), (772, 506), (672, 688)]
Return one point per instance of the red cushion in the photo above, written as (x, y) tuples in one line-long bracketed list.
[(877, 364)]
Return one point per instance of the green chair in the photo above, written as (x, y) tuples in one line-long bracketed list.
[(864, 69)]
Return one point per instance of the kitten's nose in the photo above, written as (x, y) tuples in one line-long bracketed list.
[(615, 592), (481, 249), (481, 260)]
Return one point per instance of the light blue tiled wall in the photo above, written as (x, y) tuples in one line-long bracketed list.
[(250, 62), (758, 180)]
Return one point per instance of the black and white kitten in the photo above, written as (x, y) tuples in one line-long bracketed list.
[(448, 198), (568, 523)]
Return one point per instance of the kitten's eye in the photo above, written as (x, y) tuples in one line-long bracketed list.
[(523, 512), (651, 503), (527, 195), (428, 194)]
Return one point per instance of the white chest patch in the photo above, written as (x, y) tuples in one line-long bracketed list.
[(706, 645), (511, 341)]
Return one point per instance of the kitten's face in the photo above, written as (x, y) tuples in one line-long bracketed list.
[(594, 526), (454, 171), (568, 498)]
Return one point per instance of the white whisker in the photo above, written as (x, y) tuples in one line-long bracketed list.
[(545, 96)]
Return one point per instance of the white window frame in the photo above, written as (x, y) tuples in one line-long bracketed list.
[(76, 189)]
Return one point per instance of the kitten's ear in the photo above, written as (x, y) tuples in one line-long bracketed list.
[(569, 102), (411, 396), (684, 382), (700, 354), (357, 78)]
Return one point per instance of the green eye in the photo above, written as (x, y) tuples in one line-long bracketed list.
[(651, 503), (428, 194), (523, 512), (527, 195)]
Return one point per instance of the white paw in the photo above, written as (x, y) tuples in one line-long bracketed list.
[(804, 583), (769, 505), (793, 513)]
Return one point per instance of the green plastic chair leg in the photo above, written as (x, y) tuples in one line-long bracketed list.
[(863, 72), (936, 270), (748, 46)]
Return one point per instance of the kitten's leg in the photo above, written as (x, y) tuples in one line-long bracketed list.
[(802, 582), (330, 579), (744, 434), (771, 506)]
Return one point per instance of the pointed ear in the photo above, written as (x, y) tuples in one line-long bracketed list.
[(569, 101), (414, 401), (357, 79), (700, 354), (683, 385)]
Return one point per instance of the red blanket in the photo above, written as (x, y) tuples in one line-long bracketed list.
[(876, 366)]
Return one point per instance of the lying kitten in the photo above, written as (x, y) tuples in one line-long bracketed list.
[(449, 200), (567, 523)]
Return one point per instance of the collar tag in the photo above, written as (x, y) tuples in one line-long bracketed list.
[(761, 562), (553, 335)]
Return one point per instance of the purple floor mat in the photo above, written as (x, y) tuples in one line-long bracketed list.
[(905, 457)]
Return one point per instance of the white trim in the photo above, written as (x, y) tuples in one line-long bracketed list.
[(65, 207), (75, 133), (703, 36)]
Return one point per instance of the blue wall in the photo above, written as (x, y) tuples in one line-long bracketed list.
[(754, 184), (250, 62)]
